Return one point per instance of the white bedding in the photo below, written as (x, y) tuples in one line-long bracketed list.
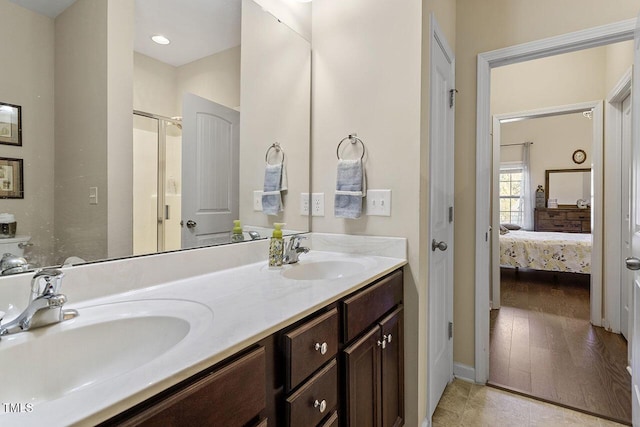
[(569, 252)]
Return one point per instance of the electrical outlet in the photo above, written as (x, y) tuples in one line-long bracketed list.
[(317, 204), (257, 201), (379, 202), (304, 203)]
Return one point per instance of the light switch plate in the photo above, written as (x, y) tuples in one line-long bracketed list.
[(304, 203), (317, 204), (93, 195), (378, 202), (257, 201)]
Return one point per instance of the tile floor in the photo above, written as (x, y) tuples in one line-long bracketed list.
[(470, 405)]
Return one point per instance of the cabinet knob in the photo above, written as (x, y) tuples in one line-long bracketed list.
[(322, 348), (382, 343), (387, 337), (321, 405)]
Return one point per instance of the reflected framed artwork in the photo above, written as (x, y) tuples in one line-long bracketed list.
[(10, 124), (11, 178)]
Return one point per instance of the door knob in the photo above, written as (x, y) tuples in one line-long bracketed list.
[(632, 263), (438, 245), (191, 224)]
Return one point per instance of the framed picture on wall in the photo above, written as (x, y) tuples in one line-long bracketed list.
[(11, 178), (10, 124)]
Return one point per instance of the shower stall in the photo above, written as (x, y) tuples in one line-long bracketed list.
[(157, 159)]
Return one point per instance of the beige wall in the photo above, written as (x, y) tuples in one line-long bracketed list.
[(120, 33), (275, 100), (27, 46), (619, 58), (554, 139), (295, 14), (154, 86), (485, 26), (81, 130)]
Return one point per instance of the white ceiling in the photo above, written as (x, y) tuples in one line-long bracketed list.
[(196, 28)]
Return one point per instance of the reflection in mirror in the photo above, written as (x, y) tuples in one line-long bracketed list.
[(567, 186), (101, 182)]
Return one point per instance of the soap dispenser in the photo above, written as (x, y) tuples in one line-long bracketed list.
[(236, 234), (276, 246)]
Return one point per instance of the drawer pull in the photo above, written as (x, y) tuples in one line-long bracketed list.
[(322, 348), (322, 405), (387, 337)]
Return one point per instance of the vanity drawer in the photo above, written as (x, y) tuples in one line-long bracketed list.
[(362, 309), (230, 396), (303, 407), (310, 346), (332, 421)]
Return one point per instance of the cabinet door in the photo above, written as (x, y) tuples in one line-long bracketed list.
[(392, 359), (362, 370)]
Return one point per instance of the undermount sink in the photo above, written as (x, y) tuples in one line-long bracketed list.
[(103, 342), (323, 270)]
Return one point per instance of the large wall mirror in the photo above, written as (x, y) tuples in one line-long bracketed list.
[(567, 186), (132, 147)]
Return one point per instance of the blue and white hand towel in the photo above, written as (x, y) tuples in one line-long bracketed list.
[(275, 182), (350, 189)]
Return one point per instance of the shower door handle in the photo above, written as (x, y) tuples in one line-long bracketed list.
[(166, 212)]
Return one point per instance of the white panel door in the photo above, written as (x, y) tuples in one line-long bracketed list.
[(441, 168), (210, 180), (626, 277), (633, 263)]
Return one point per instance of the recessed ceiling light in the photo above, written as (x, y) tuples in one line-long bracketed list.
[(160, 39)]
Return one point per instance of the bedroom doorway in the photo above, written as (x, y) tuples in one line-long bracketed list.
[(536, 318)]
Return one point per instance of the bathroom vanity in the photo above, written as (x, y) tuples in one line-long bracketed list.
[(224, 340), (325, 367)]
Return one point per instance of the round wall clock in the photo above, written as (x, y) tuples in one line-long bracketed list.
[(579, 156)]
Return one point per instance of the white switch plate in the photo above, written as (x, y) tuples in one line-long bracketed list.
[(304, 203), (257, 201), (317, 204), (379, 202), (93, 195)]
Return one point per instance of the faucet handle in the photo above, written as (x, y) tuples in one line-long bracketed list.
[(52, 279)]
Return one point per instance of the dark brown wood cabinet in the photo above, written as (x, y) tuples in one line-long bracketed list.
[(230, 396), (374, 360), (564, 220), (342, 365)]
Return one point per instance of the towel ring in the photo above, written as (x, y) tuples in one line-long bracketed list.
[(353, 139), (274, 146)]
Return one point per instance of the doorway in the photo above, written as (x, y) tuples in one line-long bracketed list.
[(157, 148), (599, 36)]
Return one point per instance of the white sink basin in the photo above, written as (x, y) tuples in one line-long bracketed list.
[(103, 342), (323, 270)]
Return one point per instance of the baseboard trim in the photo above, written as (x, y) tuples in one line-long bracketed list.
[(464, 372)]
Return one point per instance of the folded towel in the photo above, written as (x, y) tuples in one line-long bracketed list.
[(351, 187), (275, 177)]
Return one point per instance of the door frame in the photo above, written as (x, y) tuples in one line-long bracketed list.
[(571, 42), (613, 246), (597, 171), (437, 40)]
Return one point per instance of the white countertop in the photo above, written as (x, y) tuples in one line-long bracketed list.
[(247, 303)]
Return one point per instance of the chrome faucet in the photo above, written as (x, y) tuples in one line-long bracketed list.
[(45, 304), (294, 249)]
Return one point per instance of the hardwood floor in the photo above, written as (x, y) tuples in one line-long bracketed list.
[(542, 344)]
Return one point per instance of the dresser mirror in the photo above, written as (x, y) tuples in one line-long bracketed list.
[(92, 168), (567, 186)]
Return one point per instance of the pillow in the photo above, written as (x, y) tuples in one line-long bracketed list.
[(503, 230), (511, 226)]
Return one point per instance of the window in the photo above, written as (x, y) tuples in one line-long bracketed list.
[(511, 194)]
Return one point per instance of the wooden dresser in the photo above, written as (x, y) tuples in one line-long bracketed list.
[(564, 220)]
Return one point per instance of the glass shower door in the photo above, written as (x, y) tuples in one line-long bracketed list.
[(157, 143)]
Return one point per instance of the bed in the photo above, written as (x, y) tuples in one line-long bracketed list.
[(566, 252)]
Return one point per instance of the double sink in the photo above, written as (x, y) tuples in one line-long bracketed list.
[(140, 338)]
